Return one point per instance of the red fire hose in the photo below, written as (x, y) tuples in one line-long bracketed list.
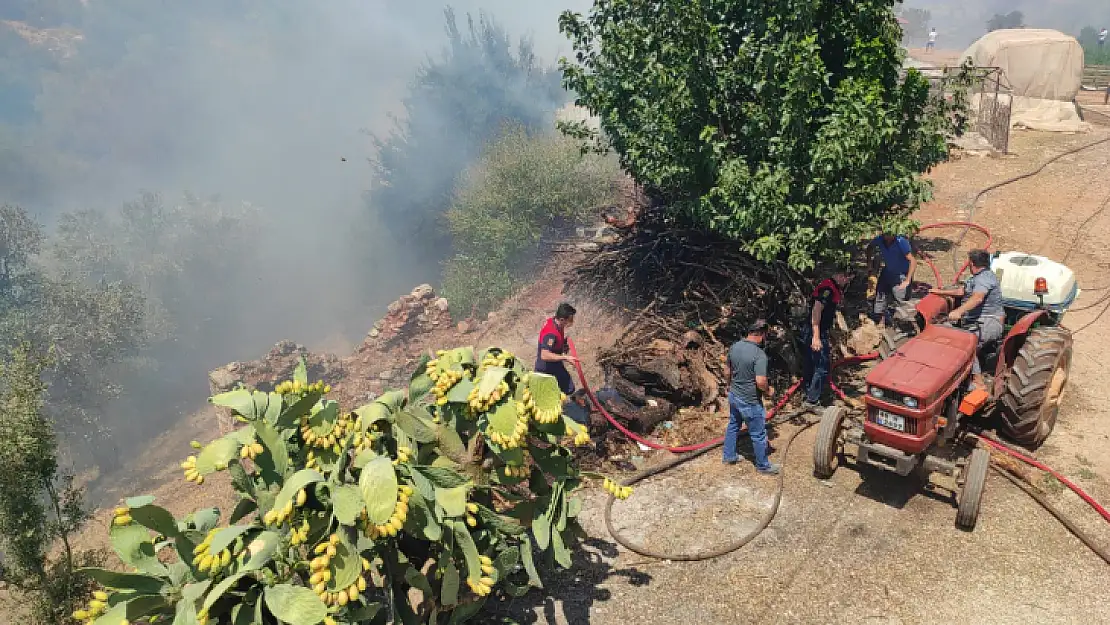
[(698, 449)]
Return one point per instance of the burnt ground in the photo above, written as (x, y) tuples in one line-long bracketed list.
[(861, 547)]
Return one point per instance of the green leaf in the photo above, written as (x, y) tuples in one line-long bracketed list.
[(346, 566), (153, 517), (546, 395), (452, 500), (496, 521), (219, 589), (137, 582), (138, 502), (372, 413), (506, 561), (417, 580), (378, 484), (464, 612), (449, 589), (421, 520), (240, 401), (562, 554), (460, 392), (418, 427), (419, 383), (470, 551), (450, 443), (323, 417), (574, 507), (300, 372), (541, 529), (240, 481), (242, 509), (442, 478), (296, 483), (204, 519), (134, 546), (503, 418), (276, 454), (491, 379), (291, 416), (529, 563), (219, 453), (261, 550), (364, 613), (295, 605), (223, 538), (346, 501)]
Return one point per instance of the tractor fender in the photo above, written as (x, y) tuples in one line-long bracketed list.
[(1011, 345), (931, 309)]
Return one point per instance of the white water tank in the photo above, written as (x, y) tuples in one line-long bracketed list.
[(1018, 273)]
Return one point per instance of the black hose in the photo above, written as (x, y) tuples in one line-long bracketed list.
[(709, 554)]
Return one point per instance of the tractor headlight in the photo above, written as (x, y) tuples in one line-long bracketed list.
[(910, 402), (876, 392)]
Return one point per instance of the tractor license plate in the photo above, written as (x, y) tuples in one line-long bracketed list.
[(892, 421)]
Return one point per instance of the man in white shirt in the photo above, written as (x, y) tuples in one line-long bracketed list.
[(1102, 37), (932, 40)]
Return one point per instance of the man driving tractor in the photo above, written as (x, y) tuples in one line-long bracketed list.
[(981, 310)]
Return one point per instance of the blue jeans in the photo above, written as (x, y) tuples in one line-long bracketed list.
[(755, 417), (815, 365)]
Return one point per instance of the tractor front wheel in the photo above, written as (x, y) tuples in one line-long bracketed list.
[(828, 441), (1035, 386), (971, 495)]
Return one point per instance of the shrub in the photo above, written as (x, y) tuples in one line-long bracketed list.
[(524, 186), (343, 515)]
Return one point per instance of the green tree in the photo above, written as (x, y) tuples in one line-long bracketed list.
[(93, 328), (38, 506), (524, 186), (785, 125), (456, 104)]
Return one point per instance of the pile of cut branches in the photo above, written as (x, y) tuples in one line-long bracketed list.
[(692, 290)]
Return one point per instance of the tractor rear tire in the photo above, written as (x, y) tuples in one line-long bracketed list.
[(971, 495), (893, 339), (1035, 386), (827, 446)]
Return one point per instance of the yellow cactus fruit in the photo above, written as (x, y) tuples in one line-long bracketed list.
[(100, 595)]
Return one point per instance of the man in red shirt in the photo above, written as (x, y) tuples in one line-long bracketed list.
[(551, 352), (814, 335)]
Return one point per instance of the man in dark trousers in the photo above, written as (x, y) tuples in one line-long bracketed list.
[(551, 352), (814, 335), (747, 374), (895, 277)]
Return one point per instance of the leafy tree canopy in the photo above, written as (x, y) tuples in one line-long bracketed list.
[(788, 126)]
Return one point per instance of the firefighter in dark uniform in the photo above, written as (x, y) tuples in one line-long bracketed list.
[(551, 352), (813, 336)]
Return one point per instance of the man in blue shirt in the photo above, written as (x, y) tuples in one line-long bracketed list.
[(899, 263), (747, 374)]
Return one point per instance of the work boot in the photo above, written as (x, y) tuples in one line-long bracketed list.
[(772, 469)]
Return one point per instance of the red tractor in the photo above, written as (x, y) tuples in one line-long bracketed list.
[(917, 409)]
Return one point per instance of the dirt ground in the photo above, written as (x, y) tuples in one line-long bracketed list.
[(859, 548)]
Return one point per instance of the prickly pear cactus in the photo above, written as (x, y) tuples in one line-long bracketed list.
[(452, 487)]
